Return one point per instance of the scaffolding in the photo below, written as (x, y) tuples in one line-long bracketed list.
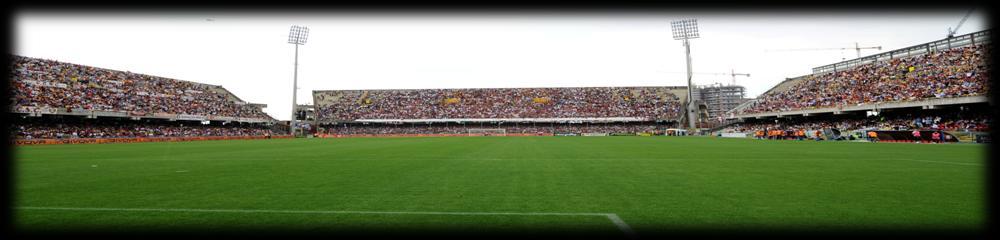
[(719, 99)]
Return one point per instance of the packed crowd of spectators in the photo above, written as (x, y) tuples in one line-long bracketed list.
[(52, 84), (544, 128), (127, 129), (956, 72), (646, 102)]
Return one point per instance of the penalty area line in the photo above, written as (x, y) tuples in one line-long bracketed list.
[(624, 227)]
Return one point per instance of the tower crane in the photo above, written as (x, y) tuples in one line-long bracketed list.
[(951, 32), (856, 47), (732, 72)]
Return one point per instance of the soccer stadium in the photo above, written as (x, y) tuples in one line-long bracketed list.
[(889, 140)]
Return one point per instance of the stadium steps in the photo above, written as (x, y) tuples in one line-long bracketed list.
[(329, 97), (229, 95), (681, 94)]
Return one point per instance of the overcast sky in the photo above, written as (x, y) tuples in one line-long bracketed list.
[(249, 54)]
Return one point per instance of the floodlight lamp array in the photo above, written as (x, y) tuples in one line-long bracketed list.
[(685, 29), (298, 35)]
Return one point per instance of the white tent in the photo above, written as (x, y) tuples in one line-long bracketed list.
[(676, 132)]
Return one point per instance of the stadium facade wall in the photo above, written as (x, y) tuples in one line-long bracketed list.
[(132, 140), (623, 134), (39, 111), (425, 135), (511, 120), (907, 136)]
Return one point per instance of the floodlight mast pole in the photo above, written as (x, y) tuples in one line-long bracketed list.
[(691, 113), (295, 88), (297, 35), (685, 30)]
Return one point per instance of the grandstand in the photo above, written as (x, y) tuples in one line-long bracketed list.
[(936, 86), (56, 100), (543, 111)]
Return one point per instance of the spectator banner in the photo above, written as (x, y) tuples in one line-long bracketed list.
[(220, 118), (23, 109), (110, 114), (566, 134), (190, 117), (133, 140), (595, 134), (47, 110), (164, 115), (30, 109), (45, 83)]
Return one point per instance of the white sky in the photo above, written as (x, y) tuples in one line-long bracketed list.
[(249, 54)]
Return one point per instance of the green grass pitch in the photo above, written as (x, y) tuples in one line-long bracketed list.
[(378, 184)]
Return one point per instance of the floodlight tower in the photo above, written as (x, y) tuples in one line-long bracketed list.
[(297, 35), (684, 30)]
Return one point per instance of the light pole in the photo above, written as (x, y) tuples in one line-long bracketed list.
[(297, 35), (684, 30)]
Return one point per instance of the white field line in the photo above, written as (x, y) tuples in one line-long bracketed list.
[(611, 216), (622, 225)]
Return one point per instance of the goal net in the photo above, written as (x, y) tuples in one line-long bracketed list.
[(487, 132)]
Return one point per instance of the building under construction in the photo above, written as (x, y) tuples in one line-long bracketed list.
[(718, 99)]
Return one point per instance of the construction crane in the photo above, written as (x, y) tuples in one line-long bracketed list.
[(951, 32), (856, 47), (732, 72)]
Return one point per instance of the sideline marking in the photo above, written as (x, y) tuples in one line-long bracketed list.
[(624, 227)]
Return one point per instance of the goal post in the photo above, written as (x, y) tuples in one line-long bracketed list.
[(487, 132)]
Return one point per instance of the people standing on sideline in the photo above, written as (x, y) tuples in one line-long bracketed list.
[(872, 136)]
